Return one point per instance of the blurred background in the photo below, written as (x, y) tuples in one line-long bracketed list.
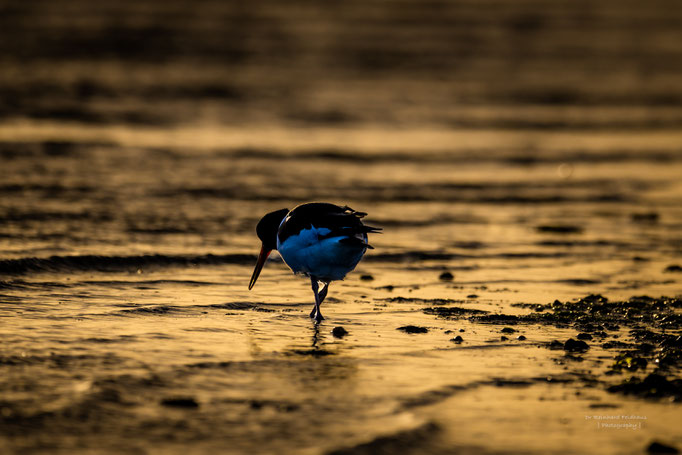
[(129, 118), (451, 64)]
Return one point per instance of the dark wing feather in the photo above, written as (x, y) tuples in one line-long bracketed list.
[(354, 241), (341, 221)]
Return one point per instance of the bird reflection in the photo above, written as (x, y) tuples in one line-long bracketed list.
[(316, 335)]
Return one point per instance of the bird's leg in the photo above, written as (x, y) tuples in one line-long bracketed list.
[(316, 309), (316, 287), (320, 298), (323, 293)]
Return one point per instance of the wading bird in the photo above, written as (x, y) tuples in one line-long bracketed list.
[(323, 241)]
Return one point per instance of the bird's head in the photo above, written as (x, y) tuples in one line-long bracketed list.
[(267, 232)]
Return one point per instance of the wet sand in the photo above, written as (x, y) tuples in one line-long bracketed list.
[(524, 161)]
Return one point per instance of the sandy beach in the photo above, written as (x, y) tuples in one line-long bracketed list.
[(524, 162)]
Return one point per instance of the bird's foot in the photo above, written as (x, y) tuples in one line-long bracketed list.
[(315, 314)]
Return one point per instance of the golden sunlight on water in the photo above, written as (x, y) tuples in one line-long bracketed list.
[(523, 160)]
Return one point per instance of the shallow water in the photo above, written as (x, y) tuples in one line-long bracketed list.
[(130, 189)]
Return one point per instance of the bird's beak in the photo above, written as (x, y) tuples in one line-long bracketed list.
[(262, 257)]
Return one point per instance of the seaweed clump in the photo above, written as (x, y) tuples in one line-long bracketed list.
[(653, 345), (595, 313), (655, 339), (652, 386)]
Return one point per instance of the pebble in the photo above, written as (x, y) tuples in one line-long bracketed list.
[(183, 402), (339, 332), (657, 447), (556, 344), (413, 329), (575, 345), (446, 276)]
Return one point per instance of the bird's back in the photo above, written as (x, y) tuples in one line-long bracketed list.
[(323, 240)]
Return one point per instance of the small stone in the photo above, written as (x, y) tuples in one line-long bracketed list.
[(255, 404), (559, 229), (556, 344), (413, 329), (446, 276), (472, 296), (648, 217), (584, 336), (503, 338), (366, 277), (339, 332), (461, 330), (572, 345), (508, 330), (657, 447), (629, 362), (180, 402), (458, 339), (521, 338)]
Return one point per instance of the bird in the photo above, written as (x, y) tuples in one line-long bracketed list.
[(320, 240)]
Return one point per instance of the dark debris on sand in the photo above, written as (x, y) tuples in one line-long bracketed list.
[(658, 447), (452, 312), (653, 347), (339, 332), (446, 276), (652, 386), (657, 347), (180, 402), (413, 329), (559, 229), (401, 299), (311, 352), (594, 314), (572, 345), (629, 362), (648, 217), (410, 440)]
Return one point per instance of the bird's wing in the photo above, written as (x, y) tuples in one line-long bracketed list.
[(340, 221)]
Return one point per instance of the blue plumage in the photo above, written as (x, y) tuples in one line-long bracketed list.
[(326, 258)]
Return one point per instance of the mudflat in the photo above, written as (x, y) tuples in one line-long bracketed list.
[(523, 160)]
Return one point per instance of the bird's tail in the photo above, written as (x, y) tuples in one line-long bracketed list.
[(372, 229)]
